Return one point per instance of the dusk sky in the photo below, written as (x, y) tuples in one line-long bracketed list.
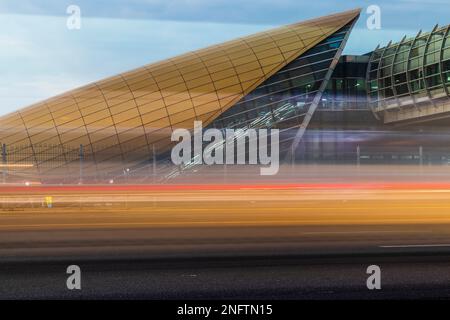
[(40, 57)]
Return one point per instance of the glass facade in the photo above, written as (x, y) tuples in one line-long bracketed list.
[(412, 73), (343, 118), (347, 88), (283, 100)]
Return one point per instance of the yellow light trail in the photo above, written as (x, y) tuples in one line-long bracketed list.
[(16, 165)]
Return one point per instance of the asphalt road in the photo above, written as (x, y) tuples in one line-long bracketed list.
[(259, 242)]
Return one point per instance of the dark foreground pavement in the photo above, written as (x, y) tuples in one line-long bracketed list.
[(404, 276)]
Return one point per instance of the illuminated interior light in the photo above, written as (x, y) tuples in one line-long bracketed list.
[(12, 165)]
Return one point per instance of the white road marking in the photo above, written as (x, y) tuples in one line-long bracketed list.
[(363, 232), (418, 245)]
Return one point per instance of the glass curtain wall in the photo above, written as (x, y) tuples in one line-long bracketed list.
[(283, 99), (412, 71)]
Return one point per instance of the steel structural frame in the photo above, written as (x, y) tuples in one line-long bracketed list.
[(408, 69), (314, 104)]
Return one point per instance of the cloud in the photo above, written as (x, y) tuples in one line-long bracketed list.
[(398, 14)]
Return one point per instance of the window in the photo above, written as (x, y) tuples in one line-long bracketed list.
[(434, 81), (447, 42), (388, 61), (373, 66), (373, 85), (415, 63), (436, 45), (415, 74), (401, 56), (373, 75), (432, 69), (386, 71), (446, 66), (446, 70), (405, 47), (447, 53), (400, 78), (400, 67), (386, 82), (388, 93), (414, 52), (432, 57), (390, 50), (417, 85), (402, 89)]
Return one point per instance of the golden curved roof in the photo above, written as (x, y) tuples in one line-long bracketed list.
[(126, 116)]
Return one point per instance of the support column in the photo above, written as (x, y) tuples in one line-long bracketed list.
[(421, 156), (358, 155), (4, 163)]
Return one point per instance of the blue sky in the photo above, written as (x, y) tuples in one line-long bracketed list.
[(40, 57)]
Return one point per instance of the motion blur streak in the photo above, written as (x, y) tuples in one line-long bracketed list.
[(118, 225), (306, 186)]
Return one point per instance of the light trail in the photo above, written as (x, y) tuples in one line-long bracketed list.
[(13, 165), (433, 186), (418, 245)]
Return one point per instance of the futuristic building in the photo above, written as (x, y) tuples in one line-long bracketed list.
[(410, 80), (292, 78)]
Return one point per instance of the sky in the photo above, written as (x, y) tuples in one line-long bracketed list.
[(40, 57)]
